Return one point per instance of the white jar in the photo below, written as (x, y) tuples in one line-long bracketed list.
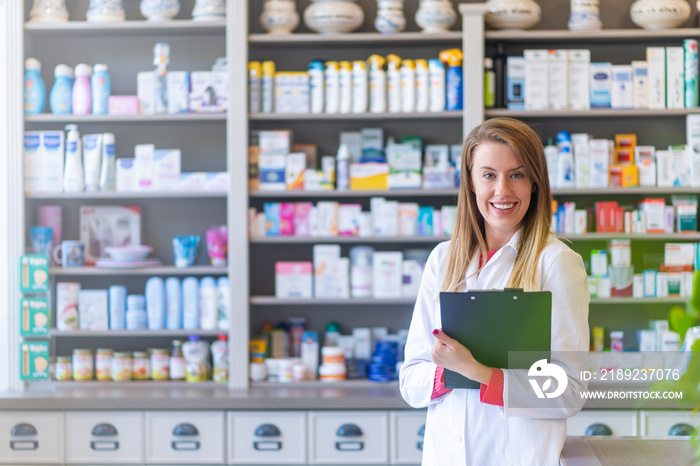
[(105, 11), (512, 14), (279, 16), (160, 10), (659, 14), (333, 16), (435, 16), (209, 10), (390, 17), (48, 11), (585, 15)]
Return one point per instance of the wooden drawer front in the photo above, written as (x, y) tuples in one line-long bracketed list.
[(352, 437), (31, 437), (266, 437), (104, 437), (185, 437), (618, 422), (406, 431), (667, 423)]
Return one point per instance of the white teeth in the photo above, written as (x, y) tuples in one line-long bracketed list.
[(503, 206)]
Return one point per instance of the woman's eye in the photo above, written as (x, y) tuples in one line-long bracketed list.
[(488, 176), (517, 176)]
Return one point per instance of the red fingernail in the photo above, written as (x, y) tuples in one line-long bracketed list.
[(436, 331)]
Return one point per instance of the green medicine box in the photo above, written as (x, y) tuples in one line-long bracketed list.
[(33, 273), (34, 360), (34, 317)]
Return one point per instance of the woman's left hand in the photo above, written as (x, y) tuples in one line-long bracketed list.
[(452, 355)]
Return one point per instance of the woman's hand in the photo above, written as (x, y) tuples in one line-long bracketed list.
[(452, 355)]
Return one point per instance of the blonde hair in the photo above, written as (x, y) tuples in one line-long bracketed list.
[(469, 235)]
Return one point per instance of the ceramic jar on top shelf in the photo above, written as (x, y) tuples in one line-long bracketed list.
[(659, 14), (435, 16), (390, 17), (279, 16), (48, 11), (332, 16), (512, 14), (160, 10), (105, 11), (585, 15), (209, 10)]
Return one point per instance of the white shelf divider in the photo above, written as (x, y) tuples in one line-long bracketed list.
[(339, 194), (353, 116), (184, 117), (347, 239), (273, 301), (163, 270), (636, 236), (54, 333), (405, 38), (182, 26), (129, 195), (593, 113), (604, 35)]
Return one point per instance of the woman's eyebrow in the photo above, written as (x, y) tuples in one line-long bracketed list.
[(493, 169)]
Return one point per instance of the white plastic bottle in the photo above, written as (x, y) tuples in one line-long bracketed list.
[(342, 172), (393, 83), (82, 90), (345, 74), (332, 78), (92, 157), (361, 271), (359, 87), (224, 298), (219, 357), (408, 86), (108, 167), (101, 90), (190, 304), (422, 86), (155, 303), (436, 71), (551, 153), (208, 304), (317, 86), (73, 171), (173, 303), (377, 84)]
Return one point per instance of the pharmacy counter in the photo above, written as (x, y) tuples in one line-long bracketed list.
[(621, 451)]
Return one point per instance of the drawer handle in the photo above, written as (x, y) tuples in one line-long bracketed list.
[(349, 446), (104, 430), (24, 444), (186, 445), (23, 429), (267, 445), (349, 430), (681, 430), (104, 445), (598, 429), (267, 430), (185, 429)]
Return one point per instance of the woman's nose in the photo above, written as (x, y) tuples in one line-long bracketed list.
[(503, 186)]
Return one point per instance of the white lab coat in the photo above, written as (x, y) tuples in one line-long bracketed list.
[(460, 429)]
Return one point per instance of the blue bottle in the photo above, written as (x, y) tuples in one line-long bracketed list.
[(454, 82), (173, 300), (34, 88), (101, 90), (61, 98), (190, 303), (155, 303)]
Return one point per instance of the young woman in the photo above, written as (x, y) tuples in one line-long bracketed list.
[(502, 240)]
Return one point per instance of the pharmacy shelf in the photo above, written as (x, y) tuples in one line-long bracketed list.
[(592, 113), (329, 194), (603, 35), (273, 301), (164, 270), (128, 27), (184, 117), (369, 38), (669, 300), (457, 115), (351, 383), (635, 236), (347, 239), (643, 191), (128, 195), (97, 384), (55, 333)]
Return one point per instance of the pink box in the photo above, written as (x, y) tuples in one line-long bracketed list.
[(302, 218), (293, 279), (123, 105), (286, 219)]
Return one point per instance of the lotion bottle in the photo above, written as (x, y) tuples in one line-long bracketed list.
[(73, 172), (34, 88), (108, 170), (61, 99), (82, 90)]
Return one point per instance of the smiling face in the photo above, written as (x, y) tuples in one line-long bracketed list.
[(503, 188)]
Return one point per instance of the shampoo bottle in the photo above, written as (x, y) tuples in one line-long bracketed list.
[(173, 303), (73, 172), (34, 88), (190, 304), (155, 303), (101, 90), (61, 99), (82, 90), (108, 170), (393, 83)]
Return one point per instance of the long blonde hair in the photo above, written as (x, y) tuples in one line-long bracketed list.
[(469, 235)]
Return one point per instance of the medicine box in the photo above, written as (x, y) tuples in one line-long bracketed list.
[(640, 84), (293, 279), (369, 176), (675, 78), (656, 76), (622, 95), (387, 270), (558, 79), (166, 169), (92, 310), (601, 85), (209, 92), (34, 316), (178, 85), (33, 273), (515, 83), (579, 79), (34, 360), (145, 90), (536, 79)]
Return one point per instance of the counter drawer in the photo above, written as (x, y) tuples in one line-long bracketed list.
[(104, 437), (603, 422), (667, 423), (266, 437), (31, 437), (406, 433), (185, 437), (348, 437)]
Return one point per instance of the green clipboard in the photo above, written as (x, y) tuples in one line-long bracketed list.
[(492, 323)]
